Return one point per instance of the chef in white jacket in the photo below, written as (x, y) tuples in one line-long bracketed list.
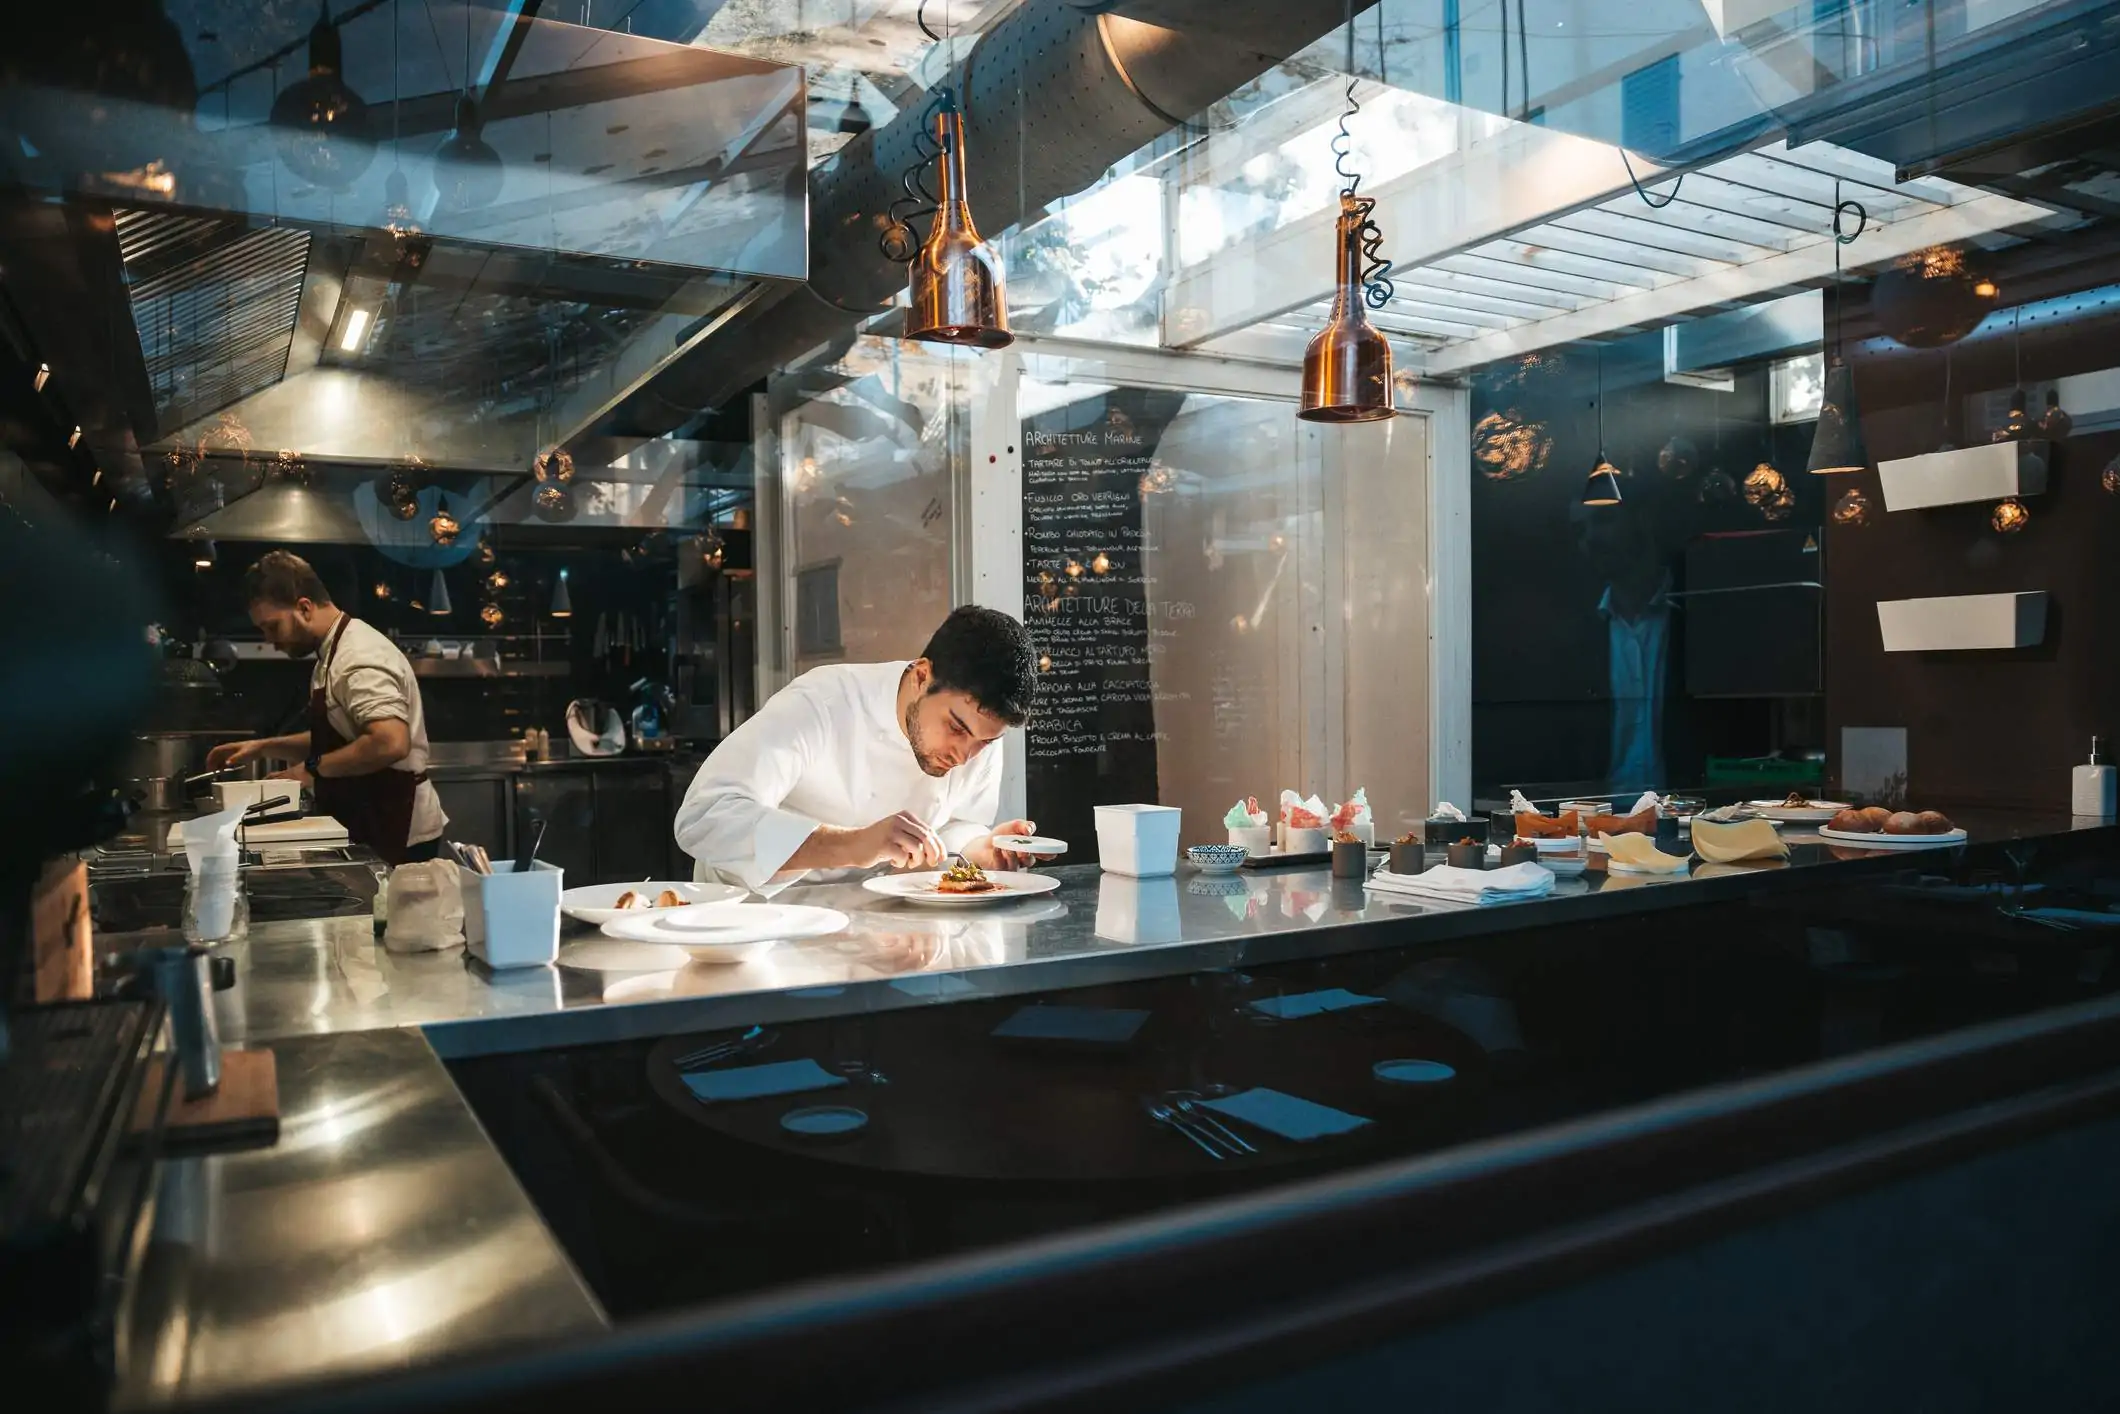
[(857, 765)]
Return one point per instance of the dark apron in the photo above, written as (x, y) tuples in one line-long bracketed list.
[(376, 809)]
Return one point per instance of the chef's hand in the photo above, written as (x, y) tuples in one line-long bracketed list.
[(293, 773), (983, 853), (903, 841), (234, 753)]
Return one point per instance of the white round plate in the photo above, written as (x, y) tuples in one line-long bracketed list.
[(1816, 813), (1617, 868), (1881, 840), (1044, 846), (1564, 867), (920, 887), (597, 903), (726, 932), (1567, 844)]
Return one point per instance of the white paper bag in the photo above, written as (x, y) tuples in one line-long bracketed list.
[(426, 907)]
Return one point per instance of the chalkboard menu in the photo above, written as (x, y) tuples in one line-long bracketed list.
[(1090, 610)]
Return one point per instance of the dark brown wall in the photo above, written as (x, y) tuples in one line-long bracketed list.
[(1989, 728)]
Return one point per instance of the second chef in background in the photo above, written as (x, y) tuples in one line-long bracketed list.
[(856, 765)]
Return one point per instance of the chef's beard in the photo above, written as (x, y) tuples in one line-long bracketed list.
[(913, 736)]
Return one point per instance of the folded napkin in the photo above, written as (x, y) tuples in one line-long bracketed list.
[(1481, 886), (1288, 1116), (1311, 1003), (1090, 1025), (749, 1082)]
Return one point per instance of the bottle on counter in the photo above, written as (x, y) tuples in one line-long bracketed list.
[(2093, 788)]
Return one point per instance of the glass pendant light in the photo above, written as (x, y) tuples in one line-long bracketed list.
[(1347, 367), (1836, 445), (957, 288), (467, 171), (321, 125), (1601, 488)]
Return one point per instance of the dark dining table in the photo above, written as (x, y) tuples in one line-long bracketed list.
[(947, 1099)]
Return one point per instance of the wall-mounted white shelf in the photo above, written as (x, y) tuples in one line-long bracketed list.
[(1963, 621), (1987, 472)]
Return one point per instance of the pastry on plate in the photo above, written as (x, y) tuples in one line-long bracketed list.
[(1876, 815), (669, 899), (1904, 822), (630, 899), (1935, 822), (1854, 822), (964, 877)]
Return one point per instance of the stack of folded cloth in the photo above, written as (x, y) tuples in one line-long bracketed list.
[(1478, 886)]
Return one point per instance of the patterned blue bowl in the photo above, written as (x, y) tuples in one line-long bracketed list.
[(1216, 858)]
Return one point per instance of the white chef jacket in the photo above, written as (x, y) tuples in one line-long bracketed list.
[(827, 749), (371, 681)]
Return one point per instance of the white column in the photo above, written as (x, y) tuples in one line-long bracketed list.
[(990, 521)]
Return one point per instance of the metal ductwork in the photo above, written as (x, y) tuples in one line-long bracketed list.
[(1055, 93)]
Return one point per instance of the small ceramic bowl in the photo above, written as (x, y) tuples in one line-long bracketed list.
[(1216, 858), (1409, 858), (1519, 854), (1350, 860), (1468, 856)]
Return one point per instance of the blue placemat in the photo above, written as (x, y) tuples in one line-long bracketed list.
[(1289, 1116), (1086, 1025), (748, 1082), (1311, 1003)]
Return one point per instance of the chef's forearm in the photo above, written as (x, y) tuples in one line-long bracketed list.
[(826, 848), (376, 749), (292, 747)]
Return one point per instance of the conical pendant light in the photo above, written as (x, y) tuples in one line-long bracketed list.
[(1836, 444), (957, 289), (438, 597), (1347, 368), (1601, 487), (562, 601)]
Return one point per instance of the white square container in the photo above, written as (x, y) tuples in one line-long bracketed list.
[(1140, 841), (1137, 911), (511, 919)]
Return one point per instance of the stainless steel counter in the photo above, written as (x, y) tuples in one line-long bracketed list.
[(383, 1229)]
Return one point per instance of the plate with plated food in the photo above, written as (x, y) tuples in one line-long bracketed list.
[(1878, 828), (602, 903), (1796, 808), (961, 883)]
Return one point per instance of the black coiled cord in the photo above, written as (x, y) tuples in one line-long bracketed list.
[(901, 239), (1377, 289)]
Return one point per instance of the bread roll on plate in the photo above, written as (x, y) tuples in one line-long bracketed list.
[(1903, 822), (1853, 822)]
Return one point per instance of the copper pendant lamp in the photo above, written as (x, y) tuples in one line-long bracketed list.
[(1347, 367), (957, 288)]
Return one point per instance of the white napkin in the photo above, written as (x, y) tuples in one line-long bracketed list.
[(1444, 810), (1478, 886), (1649, 801), (1518, 805), (210, 842)]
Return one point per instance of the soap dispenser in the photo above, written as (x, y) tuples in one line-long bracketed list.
[(2093, 787)]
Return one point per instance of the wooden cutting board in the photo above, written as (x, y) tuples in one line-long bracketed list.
[(244, 1113)]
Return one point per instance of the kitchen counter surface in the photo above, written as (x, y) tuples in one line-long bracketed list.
[(386, 1229), (327, 974), (383, 1229)]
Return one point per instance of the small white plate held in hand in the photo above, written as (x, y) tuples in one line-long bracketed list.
[(1041, 845)]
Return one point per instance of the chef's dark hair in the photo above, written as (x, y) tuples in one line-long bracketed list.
[(283, 578), (987, 655)]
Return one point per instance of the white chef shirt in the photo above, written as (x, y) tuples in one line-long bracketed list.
[(827, 749), (371, 681)]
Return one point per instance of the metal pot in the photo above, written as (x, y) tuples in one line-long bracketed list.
[(161, 760)]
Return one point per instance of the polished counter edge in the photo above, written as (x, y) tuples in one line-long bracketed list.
[(383, 1229)]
